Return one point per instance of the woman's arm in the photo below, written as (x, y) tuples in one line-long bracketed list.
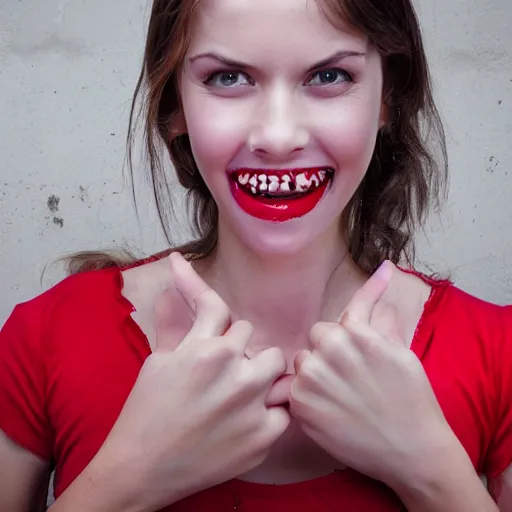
[(121, 478), (449, 484), (103, 486), (23, 478), (501, 488)]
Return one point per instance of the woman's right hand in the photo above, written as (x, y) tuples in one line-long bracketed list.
[(196, 415)]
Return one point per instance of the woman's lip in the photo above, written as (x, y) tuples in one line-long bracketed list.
[(279, 209), (291, 170)]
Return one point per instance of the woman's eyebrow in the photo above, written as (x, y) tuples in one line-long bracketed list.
[(336, 57), (332, 59), (220, 58)]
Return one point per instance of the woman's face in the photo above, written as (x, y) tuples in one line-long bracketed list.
[(282, 110)]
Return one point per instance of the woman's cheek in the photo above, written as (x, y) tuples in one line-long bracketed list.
[(350, 136), (216, 133)]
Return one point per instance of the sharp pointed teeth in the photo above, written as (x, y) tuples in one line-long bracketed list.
[(285, 186), (286, 178), (243, 179), (253, 190), (301, 182), (314, 180), (253, 181)]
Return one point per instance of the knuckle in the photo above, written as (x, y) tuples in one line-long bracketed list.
[(322, 330), (310, 370), (372, 347), (224, 351), (243, 382), (214, 352), (332, 342), (276, 356), (241, 328)]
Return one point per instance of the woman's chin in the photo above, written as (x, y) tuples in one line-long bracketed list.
[(280, 240)]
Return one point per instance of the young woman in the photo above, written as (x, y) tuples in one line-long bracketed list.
[(289, 365)]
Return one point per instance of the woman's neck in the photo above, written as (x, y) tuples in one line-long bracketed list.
[(283, 295)]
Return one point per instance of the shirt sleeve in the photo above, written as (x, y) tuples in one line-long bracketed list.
[(23, 382), (499, 455)]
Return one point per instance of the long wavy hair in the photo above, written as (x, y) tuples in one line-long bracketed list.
[(408, 170)]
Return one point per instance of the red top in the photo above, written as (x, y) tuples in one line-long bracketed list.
[(69, 358)]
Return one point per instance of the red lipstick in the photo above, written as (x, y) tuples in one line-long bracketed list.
[(281, 195)]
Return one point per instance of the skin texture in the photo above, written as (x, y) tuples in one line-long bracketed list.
[(222, 320)]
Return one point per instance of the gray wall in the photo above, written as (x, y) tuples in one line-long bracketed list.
[(67, 70)]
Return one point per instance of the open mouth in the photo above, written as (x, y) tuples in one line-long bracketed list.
[(280, 195)]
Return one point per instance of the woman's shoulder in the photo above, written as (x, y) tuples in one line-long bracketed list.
[(93, 297), (449, 303), (471, 313), (78, 291), (438, 313)]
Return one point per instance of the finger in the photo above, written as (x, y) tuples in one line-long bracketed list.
[(270, 364), (334, 343), (278, 420), (385, 321), (369, 343), (316, 378), (361, 306), (279, 393), (299, 359), (212, 315), (173, 320), (239, 335)]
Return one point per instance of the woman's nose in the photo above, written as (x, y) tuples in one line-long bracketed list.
[(278, 130)]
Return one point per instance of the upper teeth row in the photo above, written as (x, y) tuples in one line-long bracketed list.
[(271, 183)]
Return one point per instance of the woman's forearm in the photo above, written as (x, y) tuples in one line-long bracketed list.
[(98, 489), (452, 487), (111, 483)]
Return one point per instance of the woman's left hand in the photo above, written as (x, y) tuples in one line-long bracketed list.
[(364, 397)]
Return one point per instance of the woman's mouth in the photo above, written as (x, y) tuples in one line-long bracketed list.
[(279, 195)]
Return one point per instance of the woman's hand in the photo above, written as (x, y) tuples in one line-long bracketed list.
[(364, 397), (197, 416)]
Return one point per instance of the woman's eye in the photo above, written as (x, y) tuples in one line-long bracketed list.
[(228, 79), (329, 77)]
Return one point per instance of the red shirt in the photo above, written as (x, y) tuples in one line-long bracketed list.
[(69, 358)]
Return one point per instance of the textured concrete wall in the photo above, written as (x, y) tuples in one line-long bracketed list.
[(67, 70)]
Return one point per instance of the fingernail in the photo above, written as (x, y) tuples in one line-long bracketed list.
[(384, 269)]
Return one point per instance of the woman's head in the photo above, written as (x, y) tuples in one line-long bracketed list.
[(359, 117)]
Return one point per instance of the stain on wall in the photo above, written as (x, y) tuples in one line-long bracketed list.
[(53, 203), (59, 221)]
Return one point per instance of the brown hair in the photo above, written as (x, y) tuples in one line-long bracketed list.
[(406, 174)]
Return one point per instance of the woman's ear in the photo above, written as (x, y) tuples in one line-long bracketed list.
[(177, 125)]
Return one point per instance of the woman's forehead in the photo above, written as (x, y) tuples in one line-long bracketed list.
[(269, 24)]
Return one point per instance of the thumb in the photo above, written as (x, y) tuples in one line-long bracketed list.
[(299, 359), (186, 280), (173, 320), (212, 316), (385, 321), (363, 302)]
